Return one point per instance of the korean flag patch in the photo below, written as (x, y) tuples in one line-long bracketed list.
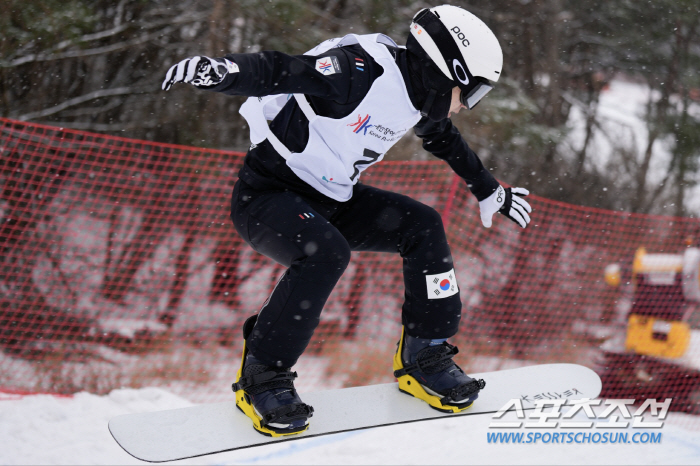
[(328, 65), (442, 285)]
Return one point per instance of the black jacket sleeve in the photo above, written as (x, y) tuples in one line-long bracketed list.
[(443, 140), (272, 72), (332, 83)]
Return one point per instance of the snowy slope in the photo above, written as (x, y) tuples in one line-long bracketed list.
[(44, 429)]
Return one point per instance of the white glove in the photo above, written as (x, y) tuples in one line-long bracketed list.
[(199, 71), (508, 202)]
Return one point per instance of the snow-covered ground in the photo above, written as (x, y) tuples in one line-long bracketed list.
[(45, 429)]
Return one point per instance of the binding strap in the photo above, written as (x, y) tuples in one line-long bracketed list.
[(251, 381), (288, 413), (428, 363), (463, 392)]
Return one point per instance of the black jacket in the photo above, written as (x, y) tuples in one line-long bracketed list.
[(336, 95)]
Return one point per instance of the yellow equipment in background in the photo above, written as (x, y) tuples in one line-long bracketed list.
[(657, 337), (663, 286)]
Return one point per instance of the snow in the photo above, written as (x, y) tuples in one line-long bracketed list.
[(46, 429)]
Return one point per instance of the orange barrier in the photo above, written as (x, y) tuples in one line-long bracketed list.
[(120, 267)]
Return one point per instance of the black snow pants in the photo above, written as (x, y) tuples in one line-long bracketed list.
[(314, 239)]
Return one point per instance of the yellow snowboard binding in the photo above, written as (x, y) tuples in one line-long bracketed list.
[(254, 380), (430, 363)]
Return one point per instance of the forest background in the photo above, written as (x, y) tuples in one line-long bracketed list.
[(97, 65)]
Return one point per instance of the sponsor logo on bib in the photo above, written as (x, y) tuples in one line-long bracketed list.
[(361, 124)]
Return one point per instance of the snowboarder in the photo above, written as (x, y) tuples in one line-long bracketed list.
[(335, 111)]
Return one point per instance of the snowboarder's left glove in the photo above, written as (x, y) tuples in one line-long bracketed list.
[(507, 201), (202, 72)]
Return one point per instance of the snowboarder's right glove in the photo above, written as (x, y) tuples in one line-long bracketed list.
[(202, 72), (508, 202)]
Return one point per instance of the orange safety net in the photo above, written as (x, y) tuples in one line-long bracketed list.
[(120, 267)]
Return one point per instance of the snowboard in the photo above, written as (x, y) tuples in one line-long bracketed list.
[(217, 427)]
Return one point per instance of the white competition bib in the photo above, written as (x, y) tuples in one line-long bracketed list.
[(338, 150)]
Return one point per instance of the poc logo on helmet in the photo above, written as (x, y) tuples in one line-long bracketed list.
[(460, 35)]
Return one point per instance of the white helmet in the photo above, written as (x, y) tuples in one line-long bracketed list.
[(464, 49)]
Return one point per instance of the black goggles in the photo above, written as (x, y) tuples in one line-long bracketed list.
[(471, 98)]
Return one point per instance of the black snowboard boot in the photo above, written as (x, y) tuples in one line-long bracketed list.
[(425, 369), (267, 396)]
